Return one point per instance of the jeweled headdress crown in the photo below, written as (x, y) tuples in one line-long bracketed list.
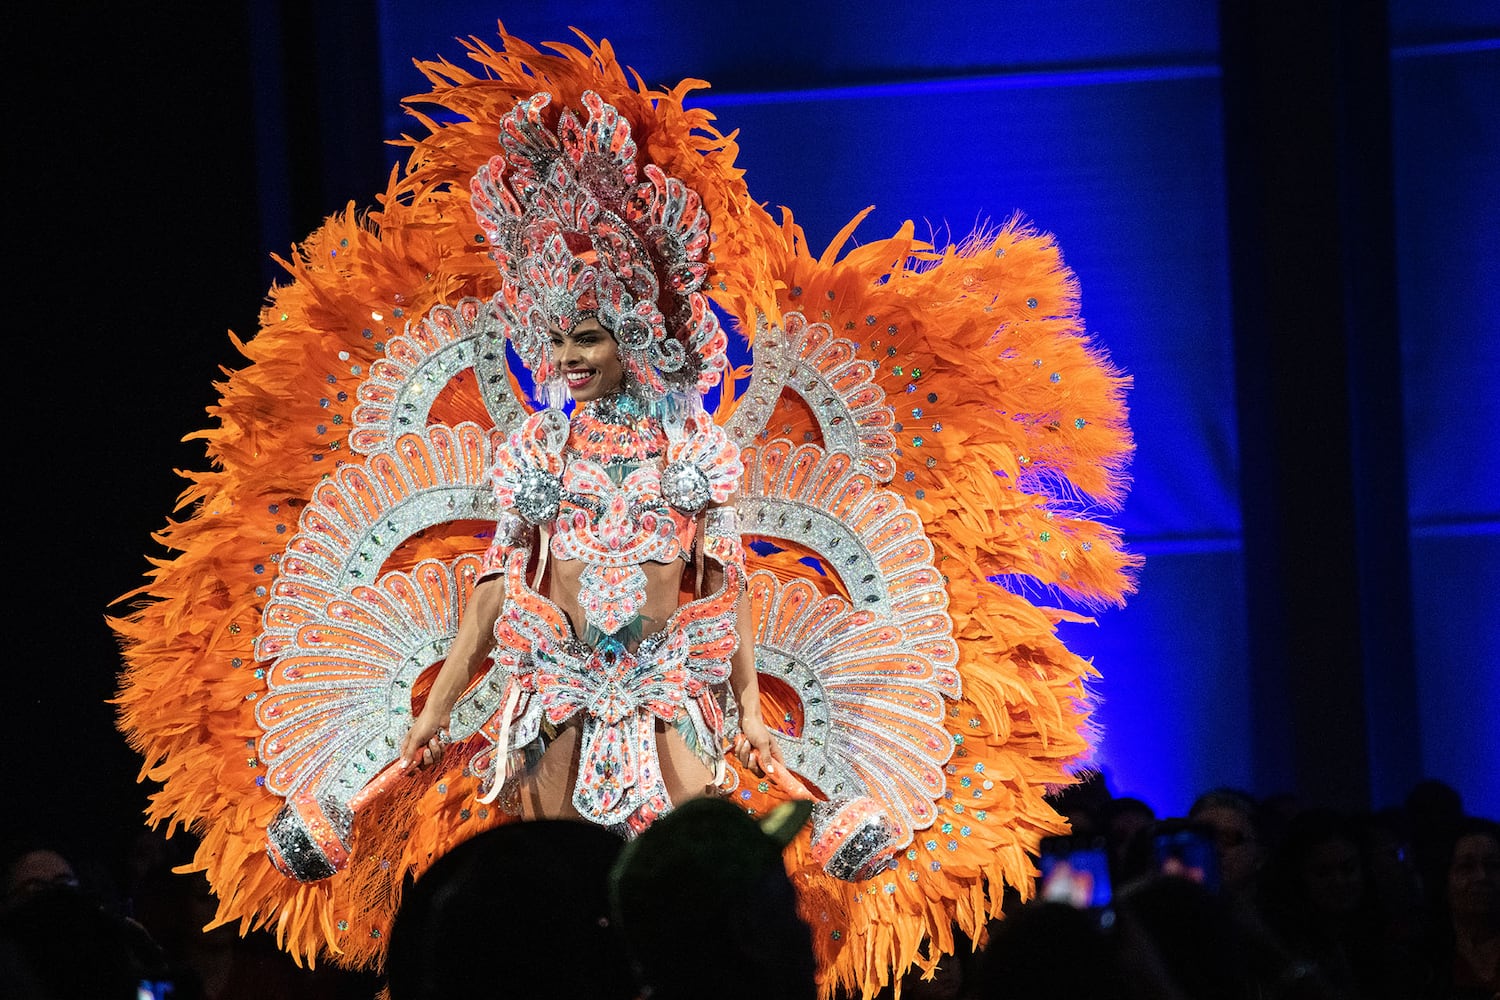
[(576, 234)]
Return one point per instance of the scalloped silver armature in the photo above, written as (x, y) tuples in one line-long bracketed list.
[(345, 642), (871, 672), (838, 387), (362, 513), (872, 705), (338, 700), (862, 532), (397, 395)]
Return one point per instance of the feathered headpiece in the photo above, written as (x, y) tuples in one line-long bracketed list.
[(577, 234)]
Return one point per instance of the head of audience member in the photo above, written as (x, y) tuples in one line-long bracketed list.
[(60, 943), (1433, 811), (703, 891), (1231, 817), (174, 907), (521, 910), (33, 869), (1082, 802), (1464, 938), (1049, 949), (1434, 807), (1124, 823), (1318, 878), (1178, 939), (1471, 884)]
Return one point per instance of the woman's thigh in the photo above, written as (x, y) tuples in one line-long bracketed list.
[(683, 774), (546, 791)]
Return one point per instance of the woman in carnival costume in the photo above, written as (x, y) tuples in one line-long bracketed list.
[(601, 271), (916, 421)]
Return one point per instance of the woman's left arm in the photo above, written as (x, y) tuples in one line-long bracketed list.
[(757, 747), (744, 683)]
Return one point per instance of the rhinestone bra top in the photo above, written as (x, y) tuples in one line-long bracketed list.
[(616, 494)]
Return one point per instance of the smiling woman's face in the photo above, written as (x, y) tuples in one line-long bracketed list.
[(1474, 876), (588, 360)]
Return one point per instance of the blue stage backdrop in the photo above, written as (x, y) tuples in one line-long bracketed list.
[(1445, 75), (1104, 124)]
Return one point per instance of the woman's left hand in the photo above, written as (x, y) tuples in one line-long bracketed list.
[(756, 747)]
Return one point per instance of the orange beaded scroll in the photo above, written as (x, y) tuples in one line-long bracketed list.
[(957, 404)]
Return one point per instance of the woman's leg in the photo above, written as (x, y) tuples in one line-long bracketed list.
[(546, 790), (683, 774)]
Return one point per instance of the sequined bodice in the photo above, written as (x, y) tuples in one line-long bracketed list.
[(617, 492), (613, 515)]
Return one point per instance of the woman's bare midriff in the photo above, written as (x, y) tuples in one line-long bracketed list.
[(662, 583), (546, 791)]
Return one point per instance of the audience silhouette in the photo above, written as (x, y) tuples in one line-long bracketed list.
[(521, 911), (709, 861), (1282, 902)]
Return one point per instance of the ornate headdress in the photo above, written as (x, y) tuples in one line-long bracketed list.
[(576, 234)]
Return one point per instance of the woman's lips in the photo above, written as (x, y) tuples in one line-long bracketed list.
[(577, 379)]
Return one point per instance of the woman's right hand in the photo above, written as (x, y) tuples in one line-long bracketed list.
[(429, 732), (425, 741)]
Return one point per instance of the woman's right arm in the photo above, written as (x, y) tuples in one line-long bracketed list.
[(476, 636)]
